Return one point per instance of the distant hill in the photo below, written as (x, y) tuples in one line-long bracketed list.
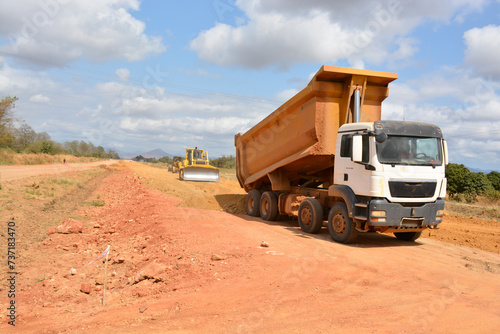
[(477, 170), (157, 154)]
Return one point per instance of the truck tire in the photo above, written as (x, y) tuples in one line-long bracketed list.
[(340, 225), (408, 236), (269, 206), (253, 203), (310, 215)]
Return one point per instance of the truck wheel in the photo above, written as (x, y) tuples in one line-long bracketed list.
[(269, 206), (253, 203), (340, 225), (408, 236), (310, 215)]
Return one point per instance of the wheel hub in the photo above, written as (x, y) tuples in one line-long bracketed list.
[(265, 206), (339, 223), (306, 216), (251, 203)]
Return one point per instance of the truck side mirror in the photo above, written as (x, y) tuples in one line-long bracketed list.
[(357, 148), (381, 137), (445, 150)]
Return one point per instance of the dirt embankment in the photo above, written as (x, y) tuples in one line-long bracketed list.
[(181, 269), (225, 195)]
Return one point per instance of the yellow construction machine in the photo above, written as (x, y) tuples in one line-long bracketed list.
[(196, 167), (176, 164)]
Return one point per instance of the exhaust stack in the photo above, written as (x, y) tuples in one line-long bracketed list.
[(357, 108)]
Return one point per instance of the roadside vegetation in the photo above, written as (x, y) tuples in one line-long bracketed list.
[(20, 144), (222, 162), (164, 160), (473, 194), (466, 186)]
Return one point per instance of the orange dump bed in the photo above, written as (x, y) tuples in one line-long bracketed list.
[(296, 143)]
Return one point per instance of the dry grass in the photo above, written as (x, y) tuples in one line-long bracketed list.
[(228, 173), (9, 157), (483, 209)]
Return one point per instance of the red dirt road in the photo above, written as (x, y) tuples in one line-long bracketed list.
[(187, 270), (9, 173)]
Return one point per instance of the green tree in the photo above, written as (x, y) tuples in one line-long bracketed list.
[(494, 178), (479, 183), (100, 152), (24, 136), (224, 162), (71, 147), (6, 119), (165, 160), (47, 147), (83, 149), (458, 179), (112, 154), (42, 136)]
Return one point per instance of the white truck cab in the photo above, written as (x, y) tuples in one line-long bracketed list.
[(396, 172)]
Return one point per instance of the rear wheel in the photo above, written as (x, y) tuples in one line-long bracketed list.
[(253, 203), (269, 206), (310, 215), (408, 236), (340, 225)]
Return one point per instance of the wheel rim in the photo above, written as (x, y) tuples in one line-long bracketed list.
[(306, 216), (251, 203), (339, 223), (264, 206)]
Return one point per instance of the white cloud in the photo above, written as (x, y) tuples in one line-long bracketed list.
[(464, 105), (39, 98), (286, 95), (55, 32), (24, 82), (175, 120), (123, 74), (281, 33), (483, 48)]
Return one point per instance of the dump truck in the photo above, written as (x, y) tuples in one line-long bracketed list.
[(196, 167), (326, 157)]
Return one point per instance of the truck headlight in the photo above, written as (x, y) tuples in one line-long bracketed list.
[(378, 216), (378, 213)]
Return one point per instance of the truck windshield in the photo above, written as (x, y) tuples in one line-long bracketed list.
[(400, 150)]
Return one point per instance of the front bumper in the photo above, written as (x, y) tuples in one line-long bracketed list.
[(399, 215)]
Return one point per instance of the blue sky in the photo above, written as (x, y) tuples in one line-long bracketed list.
[(136, 76)]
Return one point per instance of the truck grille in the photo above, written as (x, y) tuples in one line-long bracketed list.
[(407, 189)]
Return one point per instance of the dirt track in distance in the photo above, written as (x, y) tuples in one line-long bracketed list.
[(182, 269), (15, 172)]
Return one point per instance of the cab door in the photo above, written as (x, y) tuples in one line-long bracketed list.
[(356, 175)]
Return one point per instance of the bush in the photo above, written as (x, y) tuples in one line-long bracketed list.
[(458, 177), (463, 185), (224, 162), (494, 178), (492, 195)]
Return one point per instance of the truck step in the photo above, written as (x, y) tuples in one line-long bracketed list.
[(361, 205), (363, 218)]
